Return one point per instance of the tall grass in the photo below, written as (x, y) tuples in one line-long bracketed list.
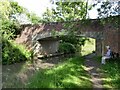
[(12, 52), (22, 49), (68, 74)]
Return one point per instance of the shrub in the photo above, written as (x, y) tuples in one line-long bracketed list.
[(12, 52), (66, 48)]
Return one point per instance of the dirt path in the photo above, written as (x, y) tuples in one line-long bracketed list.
[(93, 68)]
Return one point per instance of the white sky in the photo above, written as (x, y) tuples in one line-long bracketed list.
[(39, 6), (36, 6)]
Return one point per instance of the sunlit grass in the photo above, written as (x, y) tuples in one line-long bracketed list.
[(68, 74), (111, 73), (89, 47)]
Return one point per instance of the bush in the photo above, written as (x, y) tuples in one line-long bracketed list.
[(10, 29), (66, 48), (12, 53)]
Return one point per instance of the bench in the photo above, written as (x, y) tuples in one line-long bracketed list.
[(114, 56)]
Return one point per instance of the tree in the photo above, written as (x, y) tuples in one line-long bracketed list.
[(9, 28), (67, 11), (5, 9), (10, 24), (33, 18), (108, 8), (16, 8), (21, 11), (107, 11)]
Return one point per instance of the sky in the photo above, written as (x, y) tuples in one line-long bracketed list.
[(36, 6), (39, 7)]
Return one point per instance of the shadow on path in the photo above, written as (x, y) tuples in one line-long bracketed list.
[(93, 68)]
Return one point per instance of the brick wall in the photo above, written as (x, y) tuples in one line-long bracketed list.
[(111, 38)]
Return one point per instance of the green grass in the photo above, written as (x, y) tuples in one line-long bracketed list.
[(68, 74), (88, 47), (111, 73), (22, 49)]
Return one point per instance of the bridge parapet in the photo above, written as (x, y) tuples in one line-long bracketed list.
[(95, 35), (103, 34)]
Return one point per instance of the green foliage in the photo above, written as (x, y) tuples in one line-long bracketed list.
[(67, 11), (16, 8), (70, 43), (10, 29), (70, 38), (110, 73), (34, 18), (109, 9), (5, 9), (66, 48), (113, 20), (68, 74), (12, 52)]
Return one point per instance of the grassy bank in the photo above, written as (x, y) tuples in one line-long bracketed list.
[(68, 74), (13, 52), (110, 73)]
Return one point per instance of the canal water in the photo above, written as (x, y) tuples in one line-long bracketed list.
[(16, 75)]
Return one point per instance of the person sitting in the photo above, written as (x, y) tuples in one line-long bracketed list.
[(107, 55)]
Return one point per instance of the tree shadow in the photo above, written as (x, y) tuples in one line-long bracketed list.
[(112, 72), (66, 75)]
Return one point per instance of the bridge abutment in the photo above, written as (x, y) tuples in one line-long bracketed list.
[(99, 45), (46, 47)]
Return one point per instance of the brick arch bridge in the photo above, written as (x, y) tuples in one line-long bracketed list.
[(40, 37)]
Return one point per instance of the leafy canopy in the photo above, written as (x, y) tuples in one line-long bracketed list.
[(67, 11), (107, 11)]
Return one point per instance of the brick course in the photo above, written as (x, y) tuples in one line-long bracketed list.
[(111, 35)]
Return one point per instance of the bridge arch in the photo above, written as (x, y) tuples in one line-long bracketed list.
[(104, 35)]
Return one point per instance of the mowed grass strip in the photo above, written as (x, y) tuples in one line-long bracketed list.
[(68, 74)]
